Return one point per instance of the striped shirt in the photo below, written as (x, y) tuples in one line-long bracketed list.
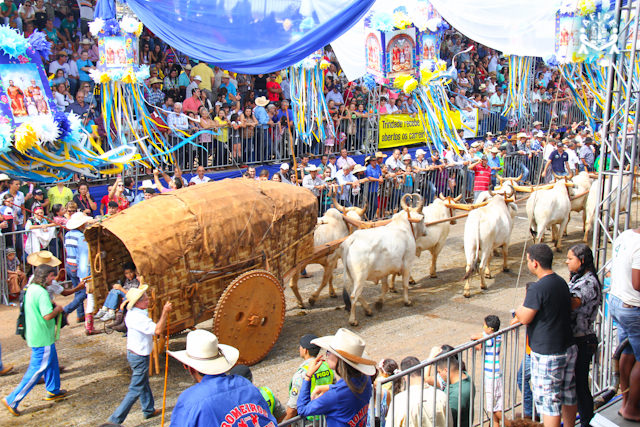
[(492, 358), (77, 253)]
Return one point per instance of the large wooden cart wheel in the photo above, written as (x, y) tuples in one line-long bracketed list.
[(250, 314)]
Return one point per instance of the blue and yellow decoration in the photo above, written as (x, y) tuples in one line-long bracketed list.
[(37, 141)]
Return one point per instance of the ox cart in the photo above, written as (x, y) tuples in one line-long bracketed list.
[(220, 250)]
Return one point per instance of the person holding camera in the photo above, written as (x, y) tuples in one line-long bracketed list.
[(42, 317)]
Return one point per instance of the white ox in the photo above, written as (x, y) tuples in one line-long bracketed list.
[(374, 254), (487, 228), (592, 200), (549, 208), (437, 233), (581, 188), (331, 226)]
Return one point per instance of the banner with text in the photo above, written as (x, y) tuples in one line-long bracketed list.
[(400, 129), (468, 121)]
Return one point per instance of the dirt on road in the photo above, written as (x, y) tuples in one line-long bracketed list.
[(97, 374)]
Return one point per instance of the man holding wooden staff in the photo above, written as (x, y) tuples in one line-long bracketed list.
[(140, 332)]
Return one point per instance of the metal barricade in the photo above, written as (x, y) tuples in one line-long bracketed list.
[(15, 240), (529, 165), (433, 381), (303, 422)]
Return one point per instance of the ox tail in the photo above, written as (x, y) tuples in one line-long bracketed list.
[(476, 255), (348, 283)]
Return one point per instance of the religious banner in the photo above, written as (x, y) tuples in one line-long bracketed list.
[(396, 130)]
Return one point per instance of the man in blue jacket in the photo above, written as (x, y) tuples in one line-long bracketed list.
[(217, 399)]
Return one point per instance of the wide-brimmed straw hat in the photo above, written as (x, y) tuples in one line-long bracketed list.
[(77, 219), (205, 354), (134, 294), (380, 154), (43, 258), (154, 80), (147, 184), (311, 168), (358, 169), (4, 177), (349, 347), (262, 101)]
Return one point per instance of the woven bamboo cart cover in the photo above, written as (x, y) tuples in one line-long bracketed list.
[(229, 226)]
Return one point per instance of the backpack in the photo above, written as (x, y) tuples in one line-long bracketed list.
[(21, 327)]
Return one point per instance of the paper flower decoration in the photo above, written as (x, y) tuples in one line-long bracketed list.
[(111, 27), (5, 137), (369, 81), (26, 137), (129, 24), (11, 42), (138, 30), (142, 73), (382, 21), (324, 64), (586, 7), (129, 76), (75, 126), (63, 124), (38, 41), (551, 61), (401, 20), (46, 128), (410, 85), (96, 26)]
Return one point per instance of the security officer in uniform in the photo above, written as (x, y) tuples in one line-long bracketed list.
[(323, 376), (275, 406)]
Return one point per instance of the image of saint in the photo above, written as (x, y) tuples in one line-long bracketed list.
[(35, 92), (110, 56), (17, 100)]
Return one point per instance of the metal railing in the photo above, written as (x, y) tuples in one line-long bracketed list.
[(15, 240)]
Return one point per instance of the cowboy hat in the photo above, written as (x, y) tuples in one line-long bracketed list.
[(43, 257), (536, 123), (358, 168), (205, 354), (348, 346), (311, 168), (4, 177), (187, 67), (154, 81), (262, 101), (475, 144), (495, 150), (380, 154), (488, 134), (147, 184), (86, 41), (77, 219), (521, 135), (134, 294)]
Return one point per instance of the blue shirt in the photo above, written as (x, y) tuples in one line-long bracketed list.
[(374, 172), (222, 400), (261, 115), (493, 162), (339, 405), (558, 161), (231, 89), (83, 75), (77, 252), (281, 114)]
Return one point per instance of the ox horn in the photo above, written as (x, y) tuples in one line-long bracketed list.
[(510, 193), (403, 202), (338, 205), (593, 175), (491, 193), (557, 177), (419, 203), (518, 178), (441, 196), (360, 211), (501, 179), (460, 206), (570, 174), (457, 199)]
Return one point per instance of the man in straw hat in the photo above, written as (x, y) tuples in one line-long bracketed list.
[(217, 399), (140, 332), (347, 401), (77, 260), (40, 334), (312, 181)]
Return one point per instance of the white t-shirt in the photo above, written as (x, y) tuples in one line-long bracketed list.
[(140, 332), (548, 149), (196, 179), (626, 256), (573, 158)]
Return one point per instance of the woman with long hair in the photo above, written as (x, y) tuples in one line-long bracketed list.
[(249, 123), (586, 297), (206, 139), (84, 200), (346, 402)]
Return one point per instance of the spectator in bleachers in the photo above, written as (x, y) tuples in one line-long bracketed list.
[(273, 89), (84, 200), (177, 119), (482, 176), (347, 182), (155, 96)]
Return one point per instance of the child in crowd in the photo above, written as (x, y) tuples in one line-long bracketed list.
[(117, 292), (70, 209), (112, 209), (59, 217), (492, 374), (16, 277)]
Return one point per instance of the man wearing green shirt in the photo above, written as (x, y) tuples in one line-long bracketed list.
[(40, 322), (460, 389)]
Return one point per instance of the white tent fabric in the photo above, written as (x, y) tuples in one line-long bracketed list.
[(517, 27)]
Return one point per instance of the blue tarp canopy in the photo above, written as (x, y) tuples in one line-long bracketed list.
[(246, 36)]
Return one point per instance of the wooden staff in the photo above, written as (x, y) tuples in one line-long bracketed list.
[(166, 372)]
